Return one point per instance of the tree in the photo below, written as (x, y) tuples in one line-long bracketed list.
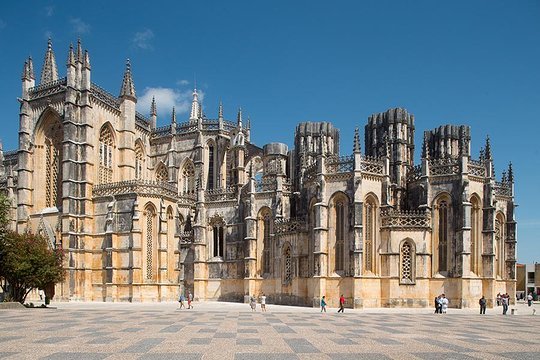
[(26, 262)]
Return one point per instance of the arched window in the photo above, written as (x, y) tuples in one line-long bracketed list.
[(162, 174), (340, 236), (476, 235), (264, 243), (188, 178), (407, 261), (150, 225), (218, 233), (498, 247), (211, 160), (54, 135), (287, 264), (370, 234), (442, 240), (106, 143), (138, 161), (443, 236)]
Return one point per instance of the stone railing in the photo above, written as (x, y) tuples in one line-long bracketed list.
[(444, 166), (228, 193), (406, 219), (187, 198), (476, 168), (339, 164), (415, 173), (372, 165), (266, 184), (140, 187), (50, 88), (104, 96), (503, 189), (288, 226), (287, 186), (162, 131)]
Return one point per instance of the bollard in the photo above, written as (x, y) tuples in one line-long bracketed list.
[(514, 311)]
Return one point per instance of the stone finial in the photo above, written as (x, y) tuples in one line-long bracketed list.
[(50, 71), (425, 147), (220, 110), (30, 68), (128, 87), (239, 118), (153, 107), (71, 56), (487, 149), (510, 173), (79, 51), (200, 114), (173, 121), (356, 143), (194, 105), (86, 62)]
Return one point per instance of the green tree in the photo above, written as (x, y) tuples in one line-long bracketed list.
[(26, 262)]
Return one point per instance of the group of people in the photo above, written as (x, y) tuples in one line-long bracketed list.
[(341, 304), (504, 300), (253, 302), (441, 304), (182, 298)]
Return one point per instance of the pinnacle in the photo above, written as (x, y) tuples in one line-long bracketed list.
[(128, 87), (50, 71)]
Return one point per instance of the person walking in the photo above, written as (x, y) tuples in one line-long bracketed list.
[(504, 301), (482, 303), (189, 300), (253, 303), (323, 304), (529, 299), (341, 304), (444, 304), (437, 304), (263, 303), (181, 300), (499, 299)]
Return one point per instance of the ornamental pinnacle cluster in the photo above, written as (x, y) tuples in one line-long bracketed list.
[(144, 212)]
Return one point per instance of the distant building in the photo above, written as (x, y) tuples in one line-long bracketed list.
[(144, 211), (528, 278)]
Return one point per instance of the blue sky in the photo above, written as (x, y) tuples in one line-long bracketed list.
[(460, 62)]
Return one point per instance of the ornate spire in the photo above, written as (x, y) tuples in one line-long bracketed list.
[(79, 51), (356, 144), (239, 118), (173, 116), (30, 68), (220, 110), (50, 71), (510, 173), (194, 105), (86, 62), (487, 149), (71, 56), (153, 108), (128, 88)]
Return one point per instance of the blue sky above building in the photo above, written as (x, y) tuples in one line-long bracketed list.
[(459, 62)]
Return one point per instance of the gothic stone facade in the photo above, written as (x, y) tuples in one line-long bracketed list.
[(145, 212)]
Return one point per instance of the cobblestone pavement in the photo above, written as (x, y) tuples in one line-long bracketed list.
[(231, 331)]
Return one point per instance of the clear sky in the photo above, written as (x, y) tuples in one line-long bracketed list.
[(459, 62)]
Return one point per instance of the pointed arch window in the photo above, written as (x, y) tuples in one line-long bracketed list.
[(443, 235), (407, 262), (218, 234), (267, 225), (211, 159), (340, 236), (287, 264), (370, 209), (150, 228), (498, 248), (138, 161), (188, 178), (476, 243), (53, 165), (162, 174), (106, 144)]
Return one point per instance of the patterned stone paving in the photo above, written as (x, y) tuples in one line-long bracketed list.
[(231, 331)]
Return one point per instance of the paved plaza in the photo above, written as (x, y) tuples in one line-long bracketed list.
[(231, 331)]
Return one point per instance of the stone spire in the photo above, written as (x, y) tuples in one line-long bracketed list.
[(153, 108), (425, 147), (71, 56), (50, 71), (28, 70), (128, 88), (173, 121), (194, 106), (79, 51), (86, 61), (220, 111), (487, 149), (356, 144), (239, 118), (510, 173)]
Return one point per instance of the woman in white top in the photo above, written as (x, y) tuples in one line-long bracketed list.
[(263, 302), (444, 303)]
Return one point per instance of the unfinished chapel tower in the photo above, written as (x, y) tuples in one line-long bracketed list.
[(145, 212)]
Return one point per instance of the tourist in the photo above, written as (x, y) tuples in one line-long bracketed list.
[(504, 301), (263, 303), (482, 303), (498, 299), (444, 304), (529, 299), (341, 304), (189, 300), (181, 300), (437, 304), (323, 304), (253, 303)]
